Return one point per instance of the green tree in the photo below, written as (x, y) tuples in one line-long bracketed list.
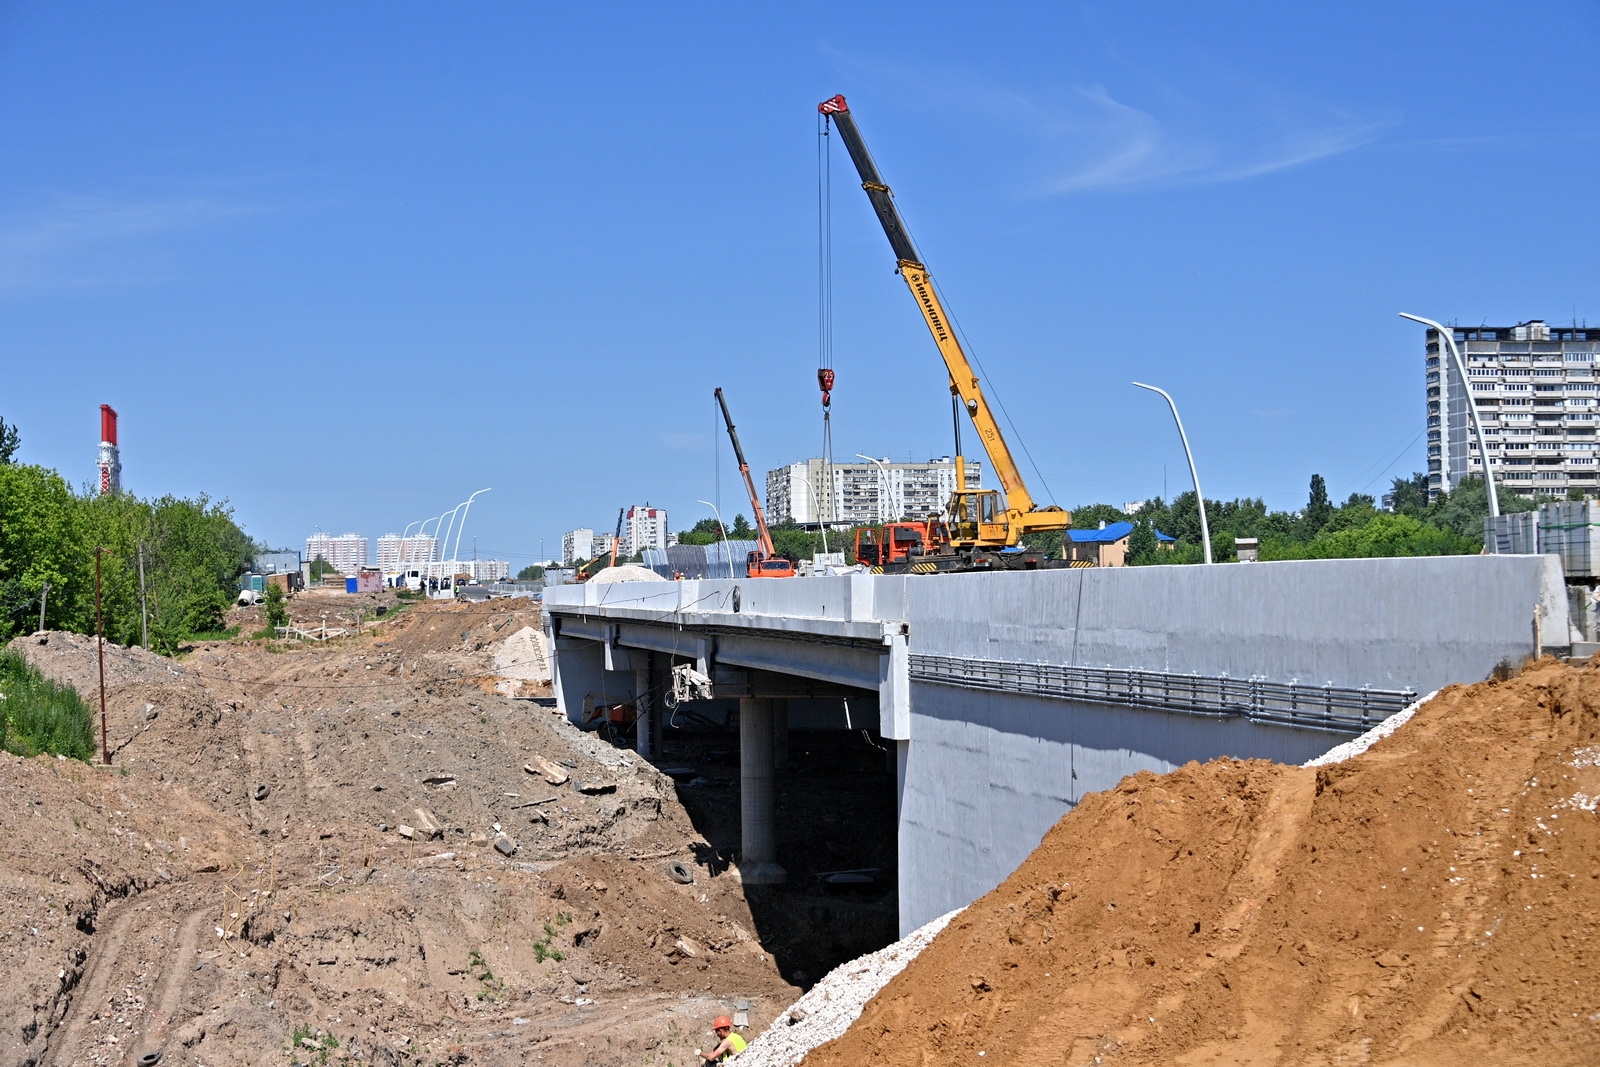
[(41, 542), (1143, 547), (275, 605), (1463, 509), (320, 567), (1318, 510), (1383, 535), (1410, 495), (9, 440), (741, 530), (1090, 516), (531, 573)]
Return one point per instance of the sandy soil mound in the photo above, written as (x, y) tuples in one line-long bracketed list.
[(626, 572), (1431, 901)]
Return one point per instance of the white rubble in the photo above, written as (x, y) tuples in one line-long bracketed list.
[(835, 1002), (1340, 753)]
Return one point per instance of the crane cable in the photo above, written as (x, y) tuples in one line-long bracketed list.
[(824, 318)]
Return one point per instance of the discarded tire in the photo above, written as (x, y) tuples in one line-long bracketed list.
[(149, 1059), (260, 794), (680, 872)]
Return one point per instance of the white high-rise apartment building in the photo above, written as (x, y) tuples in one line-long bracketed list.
[(1536, 392), (393, 550), (643, 527), (810, 492), (347, 552), (577, 544)]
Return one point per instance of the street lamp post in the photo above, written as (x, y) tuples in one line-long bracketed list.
[(1199, 497), (725, 549), (464, 514), (887, 492), (1448, 336), (816, 504)]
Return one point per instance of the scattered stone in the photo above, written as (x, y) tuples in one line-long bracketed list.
[(504, 845), (406, 832), (479, 839), (547, 770), (383, 828), (427, 825), (687, 947), (595, 789), (439, 779)]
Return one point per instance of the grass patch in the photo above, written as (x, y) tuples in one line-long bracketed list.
[(38, 715)]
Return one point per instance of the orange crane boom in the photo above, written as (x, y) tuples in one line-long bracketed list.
[(765, 561)]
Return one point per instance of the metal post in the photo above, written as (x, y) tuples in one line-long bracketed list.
[(1448, 336), (44, 594), (100, 654), (144, 604), (1199, 497)]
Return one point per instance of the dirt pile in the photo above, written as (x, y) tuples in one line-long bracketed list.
[(1431, 901), (237, 883)]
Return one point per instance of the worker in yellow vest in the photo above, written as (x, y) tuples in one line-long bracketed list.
[(729, 1044)]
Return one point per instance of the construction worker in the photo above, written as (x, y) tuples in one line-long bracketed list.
[(729, 1044)]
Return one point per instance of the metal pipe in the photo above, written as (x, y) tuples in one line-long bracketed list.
[(1205, 527), (1448, 336)]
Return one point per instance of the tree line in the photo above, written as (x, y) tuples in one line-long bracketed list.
[(193, 555)]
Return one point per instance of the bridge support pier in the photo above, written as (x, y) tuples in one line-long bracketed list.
[(647, 709), (758, 847), (780, 733)]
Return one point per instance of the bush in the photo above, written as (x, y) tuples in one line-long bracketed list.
[(274, 606), (38, 715)]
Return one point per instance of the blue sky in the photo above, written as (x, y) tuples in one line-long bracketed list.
[(344, 264)]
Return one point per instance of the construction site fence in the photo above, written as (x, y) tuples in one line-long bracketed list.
[(1336, 708)]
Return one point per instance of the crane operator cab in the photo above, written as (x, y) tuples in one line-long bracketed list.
[(977, 516), (770, 567)]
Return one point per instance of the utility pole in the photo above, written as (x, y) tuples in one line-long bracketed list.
[(144, 605), (44, 594), (100, 653)]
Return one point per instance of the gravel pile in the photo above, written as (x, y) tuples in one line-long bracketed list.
[(1340, 753), (836, 1001)]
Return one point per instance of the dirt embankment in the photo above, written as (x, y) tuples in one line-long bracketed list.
[(1433, 901), (237, 883)]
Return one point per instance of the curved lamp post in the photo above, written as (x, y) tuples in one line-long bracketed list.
[(887, 491), (817, 504), (463, 527), (1448, 336), (1199, 497), (725, 549)]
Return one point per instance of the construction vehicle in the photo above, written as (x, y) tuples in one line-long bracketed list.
[(902, 546), (764, 562), (985, 528), (584, 574)]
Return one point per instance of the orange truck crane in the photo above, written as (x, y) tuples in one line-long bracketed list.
[(764, 562), (982, 529)]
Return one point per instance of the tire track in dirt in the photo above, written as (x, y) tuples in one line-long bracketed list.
[(174, 981), (104, 957)]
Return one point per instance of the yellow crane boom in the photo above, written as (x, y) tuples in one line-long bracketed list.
[(978, 517)]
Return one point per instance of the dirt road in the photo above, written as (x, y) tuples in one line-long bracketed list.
[(236, 888)]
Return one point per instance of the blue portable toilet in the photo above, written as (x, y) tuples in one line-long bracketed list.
[(350, 585)]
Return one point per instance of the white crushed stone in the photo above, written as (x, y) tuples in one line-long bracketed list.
[(521, 658), (1340, 753), (835, 1002), (626, 572), (1586, 757)]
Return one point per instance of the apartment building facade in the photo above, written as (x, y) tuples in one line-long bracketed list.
[(394, 550), (811, 492), (643, 527), (1537, 394), (347, 552)]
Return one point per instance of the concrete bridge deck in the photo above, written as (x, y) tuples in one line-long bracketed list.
[(1010, 696)]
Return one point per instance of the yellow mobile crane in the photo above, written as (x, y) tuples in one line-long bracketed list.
[(981, 524)]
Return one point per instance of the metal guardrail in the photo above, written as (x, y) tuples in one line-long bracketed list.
[(1338, 708)]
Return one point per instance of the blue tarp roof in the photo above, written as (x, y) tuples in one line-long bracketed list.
[(1114, 532)]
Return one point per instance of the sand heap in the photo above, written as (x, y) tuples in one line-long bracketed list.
[(1431, 901)]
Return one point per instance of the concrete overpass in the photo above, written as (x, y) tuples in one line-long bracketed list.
[(1010, 696)]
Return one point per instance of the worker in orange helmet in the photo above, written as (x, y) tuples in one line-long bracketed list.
[(729, 1044)]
